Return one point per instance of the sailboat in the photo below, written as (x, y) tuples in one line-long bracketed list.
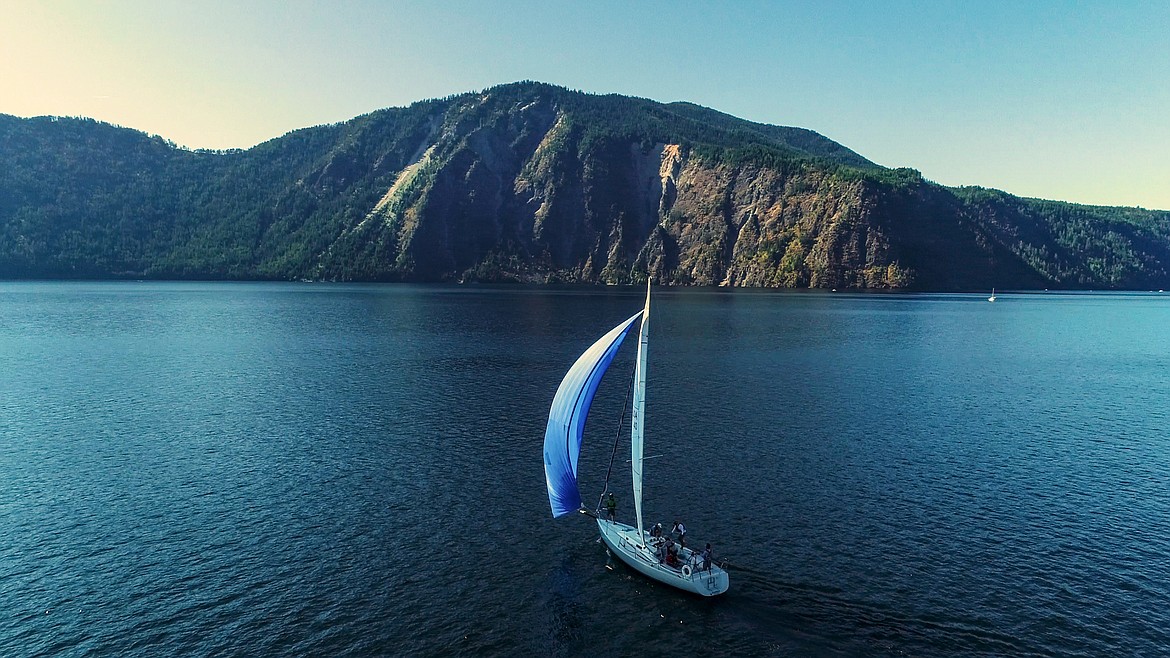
[(992, 297), (562, 446)]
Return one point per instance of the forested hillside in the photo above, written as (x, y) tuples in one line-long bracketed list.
[(530, 182)]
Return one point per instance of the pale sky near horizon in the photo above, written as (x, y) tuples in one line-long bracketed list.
[(1058, 100)]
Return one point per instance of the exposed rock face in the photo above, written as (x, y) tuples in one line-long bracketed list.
[(529, 182), (521, 200), (754, 226)]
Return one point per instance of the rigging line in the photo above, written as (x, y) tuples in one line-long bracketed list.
[(645, 458), (617, 436)]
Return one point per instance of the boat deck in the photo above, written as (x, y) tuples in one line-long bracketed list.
[(688, 574)]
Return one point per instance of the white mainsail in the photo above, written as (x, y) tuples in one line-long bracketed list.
[(636, 425)]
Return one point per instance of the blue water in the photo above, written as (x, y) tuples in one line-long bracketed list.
[(279, 469)]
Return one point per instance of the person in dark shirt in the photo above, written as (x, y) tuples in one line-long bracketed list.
[(671, 553)]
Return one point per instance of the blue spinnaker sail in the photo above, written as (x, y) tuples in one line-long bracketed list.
[(566, 419)]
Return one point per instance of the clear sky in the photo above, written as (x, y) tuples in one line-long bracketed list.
[(1060, 100)]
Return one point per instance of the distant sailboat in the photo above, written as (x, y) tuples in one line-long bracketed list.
[(562, 445), (992, 297)]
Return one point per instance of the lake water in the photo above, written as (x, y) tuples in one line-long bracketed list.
[(281, 469)]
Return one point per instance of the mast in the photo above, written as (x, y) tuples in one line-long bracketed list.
[(637, 423)]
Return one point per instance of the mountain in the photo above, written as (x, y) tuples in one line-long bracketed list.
[(531, 182)]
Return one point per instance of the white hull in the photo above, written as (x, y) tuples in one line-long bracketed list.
[(623, 542)]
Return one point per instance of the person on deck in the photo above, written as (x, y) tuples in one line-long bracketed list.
[(681, 531), (707, 558), (656, 531), (671, 553), (610, 506)]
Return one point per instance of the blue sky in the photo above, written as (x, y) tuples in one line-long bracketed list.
[(1060, 100)]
